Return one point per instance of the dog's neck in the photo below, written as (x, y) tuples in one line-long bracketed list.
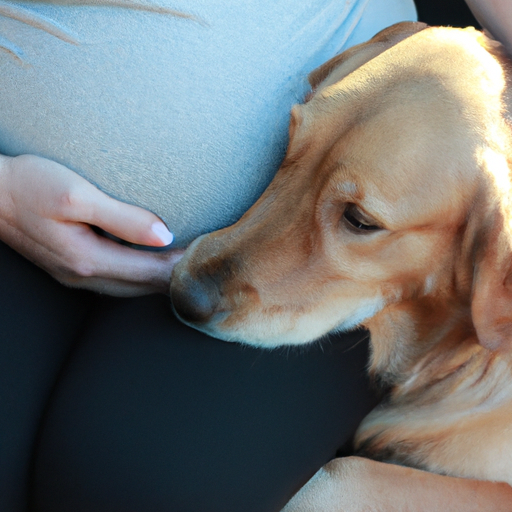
[(407, 335), (423, 346), (442, 384)]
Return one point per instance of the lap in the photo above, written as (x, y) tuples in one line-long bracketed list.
[(148, 414), (37, 324), (151, 415)]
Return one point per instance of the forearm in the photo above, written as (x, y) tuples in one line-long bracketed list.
[(355, 484), (496, 17), (408, 489)]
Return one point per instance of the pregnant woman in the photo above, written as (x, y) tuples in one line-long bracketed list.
[(130, 116)]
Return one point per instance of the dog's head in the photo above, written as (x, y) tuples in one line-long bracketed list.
[(390, 210)]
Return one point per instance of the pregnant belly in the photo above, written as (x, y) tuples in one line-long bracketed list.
[(140, 103)]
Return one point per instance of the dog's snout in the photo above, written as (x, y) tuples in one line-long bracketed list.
[(195, 300)]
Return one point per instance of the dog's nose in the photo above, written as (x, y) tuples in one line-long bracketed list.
[(195, 301)]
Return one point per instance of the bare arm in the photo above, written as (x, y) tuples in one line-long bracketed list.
[(354, 484), (46, 213), (496, 17)]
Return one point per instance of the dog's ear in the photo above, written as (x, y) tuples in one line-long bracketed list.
[(360, 54), (491, 306)]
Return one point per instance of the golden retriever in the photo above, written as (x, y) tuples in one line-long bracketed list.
[(392, 210)]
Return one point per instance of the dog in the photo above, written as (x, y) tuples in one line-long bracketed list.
[(392, 210)]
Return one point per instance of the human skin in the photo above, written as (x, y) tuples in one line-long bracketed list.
[(46, 214), (496, 17), (55, 233)]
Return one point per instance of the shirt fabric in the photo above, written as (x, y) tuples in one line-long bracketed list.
[(180, 107)]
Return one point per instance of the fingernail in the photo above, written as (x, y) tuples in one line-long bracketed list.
[(161, 231)]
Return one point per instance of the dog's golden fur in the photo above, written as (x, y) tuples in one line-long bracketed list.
[(391, 210)]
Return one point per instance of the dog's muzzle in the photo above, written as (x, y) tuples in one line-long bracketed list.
[(195, 301)]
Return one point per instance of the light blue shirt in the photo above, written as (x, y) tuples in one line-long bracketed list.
[(180, 107)]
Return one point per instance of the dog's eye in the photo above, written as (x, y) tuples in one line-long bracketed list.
[(359, 221)]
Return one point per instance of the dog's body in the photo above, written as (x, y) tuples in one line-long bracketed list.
[(392, 210)]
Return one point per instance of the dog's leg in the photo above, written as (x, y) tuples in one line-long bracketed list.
[(354, 484)]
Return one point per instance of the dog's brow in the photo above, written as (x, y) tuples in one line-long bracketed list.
[(292, 158), (348, 187)]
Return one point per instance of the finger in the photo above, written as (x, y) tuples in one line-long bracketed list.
[(125, 221), (115, 288), (79, 258), (105, 266)]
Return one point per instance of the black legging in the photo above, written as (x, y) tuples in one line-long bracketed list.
[(113, 405)]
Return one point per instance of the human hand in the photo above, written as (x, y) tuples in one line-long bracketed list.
[(46, 214)]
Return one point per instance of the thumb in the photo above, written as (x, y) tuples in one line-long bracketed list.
[(124, 221)]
